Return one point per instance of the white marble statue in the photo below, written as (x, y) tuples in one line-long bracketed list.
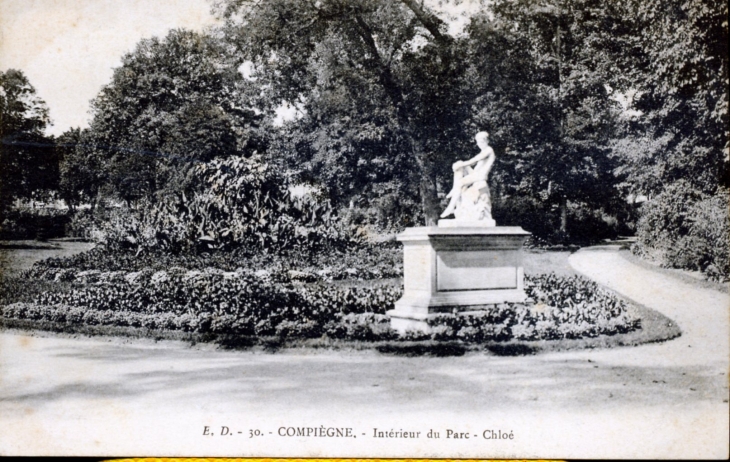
[(470, 199)]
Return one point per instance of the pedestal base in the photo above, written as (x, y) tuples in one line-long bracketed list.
[(455, 223), (455, 269)]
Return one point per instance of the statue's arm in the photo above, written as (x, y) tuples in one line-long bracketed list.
[(481, 156), (490, 162)]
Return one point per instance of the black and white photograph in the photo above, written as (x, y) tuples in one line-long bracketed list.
[(493, 229)]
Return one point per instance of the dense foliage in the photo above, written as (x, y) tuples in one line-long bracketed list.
[(588, 102), (249, 299), (14, 289), (564, 308), (677, 69), (173, 103), (675, 146), (238, 202), (684, 228)]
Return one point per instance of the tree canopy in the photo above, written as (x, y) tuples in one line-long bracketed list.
[(173, 102), (27, 160), (376, 80), (586, 102), (676, 64), (389, 99)]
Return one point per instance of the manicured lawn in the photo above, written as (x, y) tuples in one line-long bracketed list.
[(16, 256)]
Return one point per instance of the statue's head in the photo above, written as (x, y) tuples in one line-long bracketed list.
[(482, 139)]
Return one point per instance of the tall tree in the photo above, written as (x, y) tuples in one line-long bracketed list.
[(676, 62), (28, 162), (80, 168), (540, 77), (173, 102), (377, 81)]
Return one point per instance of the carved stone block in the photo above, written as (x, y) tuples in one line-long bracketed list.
[(449, 269)]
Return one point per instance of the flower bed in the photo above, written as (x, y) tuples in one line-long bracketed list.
[(255, 304), (223, 302), (366, 262)]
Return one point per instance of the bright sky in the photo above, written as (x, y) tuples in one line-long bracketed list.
[(68, 48)]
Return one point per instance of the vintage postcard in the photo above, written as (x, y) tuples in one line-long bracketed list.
[(364, 228)]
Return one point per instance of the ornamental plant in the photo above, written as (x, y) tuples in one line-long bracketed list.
[(232, 203)]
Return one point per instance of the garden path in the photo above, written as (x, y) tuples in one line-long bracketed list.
[(702, 314), (102, 396)]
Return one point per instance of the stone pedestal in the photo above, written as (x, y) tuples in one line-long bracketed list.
[(448, 268)]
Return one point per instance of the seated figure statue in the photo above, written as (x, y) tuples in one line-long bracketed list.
[(470, 199)]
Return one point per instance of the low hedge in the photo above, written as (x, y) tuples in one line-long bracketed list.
[(353, 326), (245, 303)]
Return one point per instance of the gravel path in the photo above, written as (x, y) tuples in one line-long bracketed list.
[(111, 397), (702, 314)]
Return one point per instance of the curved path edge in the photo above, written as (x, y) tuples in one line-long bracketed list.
[(702, 314)]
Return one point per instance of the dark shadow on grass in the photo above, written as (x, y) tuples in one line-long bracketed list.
[(271, 344), (22, 246), (513, 350), (236, 342), (425, 348), (248, 342)]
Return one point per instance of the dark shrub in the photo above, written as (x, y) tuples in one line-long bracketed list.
[(684, 228), (527, 212), (585, 224), (41, 223), (588, 225)]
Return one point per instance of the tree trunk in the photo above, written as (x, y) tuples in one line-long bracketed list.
[(429, 200), (93, 202), (427, 184), (563, 217)]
